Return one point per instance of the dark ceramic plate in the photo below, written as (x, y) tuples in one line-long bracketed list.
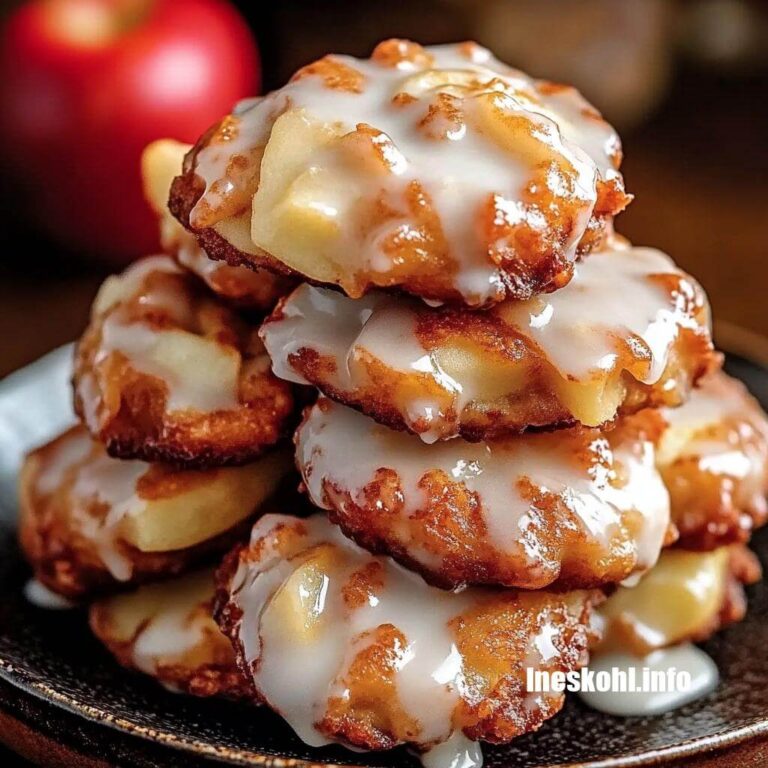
[(61, 695)]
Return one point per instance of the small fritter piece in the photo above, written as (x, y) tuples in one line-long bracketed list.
[(687, 596), (165, 372), (439, 171), (629, 331), (352, 648), (579, 507), (714, 460), (166, 630), (248, 288), (89, 522)]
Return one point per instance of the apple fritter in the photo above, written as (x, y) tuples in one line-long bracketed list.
[(580, 507), (254, 288), (439, 171), (166, 631), (352, 648), (629, 331), (714, 460), (687, 596), (165, 372), (89, 523)]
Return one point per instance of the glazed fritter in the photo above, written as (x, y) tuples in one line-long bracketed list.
[(165, 372), (439, 171), (714, 460), (166, 630), (687, 596), (352, 648), (579, 507), (89, 523), (248, 288), (629, 331)]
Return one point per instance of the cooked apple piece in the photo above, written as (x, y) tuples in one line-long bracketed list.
[(678, 599), (90, 522), (173, 518), (166, 630)]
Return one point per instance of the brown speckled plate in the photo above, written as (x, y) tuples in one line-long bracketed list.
[(65, 702)]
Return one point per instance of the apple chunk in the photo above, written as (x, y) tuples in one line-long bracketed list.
[(680, 596), (223, 498)]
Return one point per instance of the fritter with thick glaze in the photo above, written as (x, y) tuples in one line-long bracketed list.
[(714, 460), (629, 331), (352, 648), (89, 523), (579, 507), (686, 596), (166, 630), (165, 372), (248, 288), (439, 171)]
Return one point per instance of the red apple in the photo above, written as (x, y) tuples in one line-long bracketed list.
[(86, 84)]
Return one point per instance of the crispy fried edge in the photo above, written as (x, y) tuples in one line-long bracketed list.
[(207, 680), (494, 423), (188, 188), (171, 442), (60, 556), (483, 723)]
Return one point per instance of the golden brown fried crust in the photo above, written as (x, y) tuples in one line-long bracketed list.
[(249, 291), (534, 407), (707, 512), (68, 562), (186, 190), (493, 642), (494, 637), (218, 677), (227, 614), (133, 421), (713, 505), (449, 524), (521, 279), (743, 569)]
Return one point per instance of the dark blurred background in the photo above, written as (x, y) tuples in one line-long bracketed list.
[(685, 82)]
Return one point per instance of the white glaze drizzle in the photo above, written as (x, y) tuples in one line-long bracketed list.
[(459, 172), (456, 752), (111, 482), (429, 679), (200, 373), (686, 657), (614, 293), (40, 596), (724, 429), (90, 476), (299, 659), (182, 623), (578, 329), (344, 448)]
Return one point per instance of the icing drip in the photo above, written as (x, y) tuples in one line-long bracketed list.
[(172, 354), (586, 333), (41, 597), (429, 676), (467, 129), (683, 658), (338, 448), (335, 637)]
